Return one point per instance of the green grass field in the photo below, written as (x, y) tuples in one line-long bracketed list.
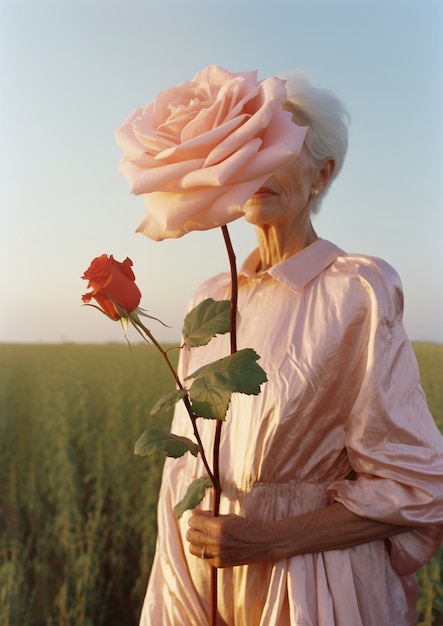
[(77, 508)]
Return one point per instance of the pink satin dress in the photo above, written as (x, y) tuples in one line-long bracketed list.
[(342, 418)]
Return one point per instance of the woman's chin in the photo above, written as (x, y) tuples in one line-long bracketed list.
[(253, 217), (261, 208)]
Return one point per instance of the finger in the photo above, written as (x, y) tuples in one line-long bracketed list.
[(195, 537), (199, 519), (197, 547), (198, 550)]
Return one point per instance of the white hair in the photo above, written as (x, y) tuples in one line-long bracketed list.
[(326, 117)]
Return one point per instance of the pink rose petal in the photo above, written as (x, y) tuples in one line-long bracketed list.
[(202, 141), (166, 177), (202, 148), (220, 174)]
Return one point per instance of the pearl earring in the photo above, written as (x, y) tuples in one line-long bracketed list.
[(314, 192)]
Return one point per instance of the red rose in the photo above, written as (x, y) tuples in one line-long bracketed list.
[(112, 282)]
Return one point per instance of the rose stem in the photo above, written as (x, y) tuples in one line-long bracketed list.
[(136, 322), (216, 456)]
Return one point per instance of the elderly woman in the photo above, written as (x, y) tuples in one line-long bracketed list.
[(332, 476)]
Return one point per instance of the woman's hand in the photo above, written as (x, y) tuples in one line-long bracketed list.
[(231, 540), (227, 540)]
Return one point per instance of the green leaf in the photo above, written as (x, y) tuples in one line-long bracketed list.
[(214, 383), (154, 440), (207, 319), (167, 402), (194, 495)]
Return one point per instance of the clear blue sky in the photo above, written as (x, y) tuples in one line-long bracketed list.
[(73, 70)]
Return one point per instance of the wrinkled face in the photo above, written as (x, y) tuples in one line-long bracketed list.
[(284, 199)]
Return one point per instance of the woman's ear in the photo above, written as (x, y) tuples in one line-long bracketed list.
[(324, 174)]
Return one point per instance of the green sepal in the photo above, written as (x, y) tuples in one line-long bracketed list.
[(157, 440), (143, 312), (94, 306), (207, 319), (194, 495), (214, 383), (167, 402), (124, 323)]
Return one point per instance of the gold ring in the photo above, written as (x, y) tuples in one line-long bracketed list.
[(203, 552)]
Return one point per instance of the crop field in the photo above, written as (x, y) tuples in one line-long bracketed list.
[(77, 508)]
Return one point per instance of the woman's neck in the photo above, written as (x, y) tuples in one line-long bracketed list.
[(277, 245)]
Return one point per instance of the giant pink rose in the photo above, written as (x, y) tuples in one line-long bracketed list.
[(201, 149)]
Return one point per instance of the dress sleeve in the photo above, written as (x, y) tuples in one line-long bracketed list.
[(393, 444)]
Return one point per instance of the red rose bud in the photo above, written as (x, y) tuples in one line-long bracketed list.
[(112, 283)]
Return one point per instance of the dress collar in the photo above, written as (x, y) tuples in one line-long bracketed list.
[(297, 271)]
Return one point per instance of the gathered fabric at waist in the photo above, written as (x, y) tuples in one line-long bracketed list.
[(270, 500)]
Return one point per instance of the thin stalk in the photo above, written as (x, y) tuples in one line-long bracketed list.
[(136, 322), (216, 490)]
